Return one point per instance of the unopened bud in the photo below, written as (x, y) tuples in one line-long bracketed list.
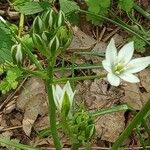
[(40, 44), (54, 45), (37, 25), (16, 51), (60, 19)]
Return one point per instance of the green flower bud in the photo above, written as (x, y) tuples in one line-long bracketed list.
[(51, 19), (16, 51), (65, 108), (61, 19), (37, 25), (54, 45), (40, 45), (48, 19)]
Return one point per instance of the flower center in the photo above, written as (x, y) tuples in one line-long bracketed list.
[(119, 68)]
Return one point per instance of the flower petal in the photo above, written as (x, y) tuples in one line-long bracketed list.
[(111, 52), (56, 99), (126, 52), (106, 66), (129, 77), (113, 79), (69, 91), (138, 64)]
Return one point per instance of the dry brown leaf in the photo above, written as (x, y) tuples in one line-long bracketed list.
[(109, 126), (81, 40), (132, 96), (97, 94), (137, 94), (33, 102)]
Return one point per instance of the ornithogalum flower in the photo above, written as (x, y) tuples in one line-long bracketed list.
[(120, 66), (63, 98)]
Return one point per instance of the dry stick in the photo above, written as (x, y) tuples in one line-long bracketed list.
[(11, 14), (111, 34), (101, 34), (11, 128)]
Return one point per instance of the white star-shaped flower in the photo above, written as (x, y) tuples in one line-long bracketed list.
[(120, 66)]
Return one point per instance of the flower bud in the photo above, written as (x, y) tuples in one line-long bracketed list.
[(54, 45), (63, 98), (40, 45), (16, 51), (37, 25), (65, 105), (61, 19)]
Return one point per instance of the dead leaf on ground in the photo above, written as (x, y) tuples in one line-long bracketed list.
[(136, 95), (81, 40), (32, 100), (110, 126), (97, 94)]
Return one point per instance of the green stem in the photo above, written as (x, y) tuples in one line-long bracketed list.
[(141, 11), (21, 24), (52, 107), (137, 120), (79, 78), (17, 145)]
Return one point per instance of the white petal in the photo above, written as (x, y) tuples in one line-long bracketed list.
[(126, 52), (111, 52), (58, 92), (68, 88), (129, 78), (113, 79), (107, 66), (56, 100), (138, 64)]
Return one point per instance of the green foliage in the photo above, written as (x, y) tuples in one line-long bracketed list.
[(10, 81), (82, 126), (98, 7), (139, 44), (69, 7), (6, 40), (29, 8), (126, 5)]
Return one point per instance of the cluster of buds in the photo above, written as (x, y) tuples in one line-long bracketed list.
[(82, 126), (50, 34)]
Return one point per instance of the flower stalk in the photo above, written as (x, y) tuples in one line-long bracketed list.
[(51, 105)]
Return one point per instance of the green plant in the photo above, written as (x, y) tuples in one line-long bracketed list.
[(138, 43), (126, 5), (98, 7), (11, 79)]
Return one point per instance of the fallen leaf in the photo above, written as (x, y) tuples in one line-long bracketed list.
[(81, 40), (33, 101), (110, 126)]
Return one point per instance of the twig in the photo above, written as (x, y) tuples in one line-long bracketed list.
[(111, 34), (11, 14)]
